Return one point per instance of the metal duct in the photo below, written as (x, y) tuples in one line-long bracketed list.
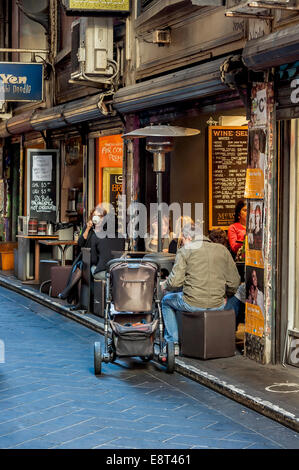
[(86, 109), (192, 83), (3, 130), (20, 124), (275, 49), (51, 118)]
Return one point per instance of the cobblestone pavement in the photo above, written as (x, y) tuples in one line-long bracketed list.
[(51, 399)]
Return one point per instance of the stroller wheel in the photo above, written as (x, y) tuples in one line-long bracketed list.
[(97, 358), (170, 357)]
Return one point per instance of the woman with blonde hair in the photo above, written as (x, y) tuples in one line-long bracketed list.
[(177, 241)]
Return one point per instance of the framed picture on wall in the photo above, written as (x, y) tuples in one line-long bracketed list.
[(112, 186)]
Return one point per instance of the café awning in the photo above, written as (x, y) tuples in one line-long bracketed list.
[(72, 113), (274, 49)]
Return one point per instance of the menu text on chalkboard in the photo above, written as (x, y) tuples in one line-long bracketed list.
[(42, 184), (227, 172)]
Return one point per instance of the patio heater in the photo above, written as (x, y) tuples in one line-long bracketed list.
[(159, 141)]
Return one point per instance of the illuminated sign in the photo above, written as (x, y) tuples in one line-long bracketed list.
[(96, 6), (21, 81)]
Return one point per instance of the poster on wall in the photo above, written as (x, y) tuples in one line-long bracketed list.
[(261, 103), (254, 308), (112, 186), (254, 187), (109, 154), (227, 170), (255, 211), (111, 150)]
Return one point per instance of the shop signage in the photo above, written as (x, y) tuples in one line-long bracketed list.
[(21, 82), (295, 91), (288, 90), (112, 186), (83, 7), (227, 172), (42, 188)]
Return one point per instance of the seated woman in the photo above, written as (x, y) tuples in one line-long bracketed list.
[(151, 242), (85, 240), (237, 231), (237, 301), (106, 241)]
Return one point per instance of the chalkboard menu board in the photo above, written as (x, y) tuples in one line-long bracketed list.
[(227, 172), (42, 195)]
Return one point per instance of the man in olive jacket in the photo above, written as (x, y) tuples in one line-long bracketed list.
[(206, 272)]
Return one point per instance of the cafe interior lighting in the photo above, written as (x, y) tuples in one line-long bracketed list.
[(159, 141)]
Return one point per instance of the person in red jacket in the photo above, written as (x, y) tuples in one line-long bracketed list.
[(237, 231)]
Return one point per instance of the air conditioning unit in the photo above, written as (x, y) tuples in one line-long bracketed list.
[(92, 48)]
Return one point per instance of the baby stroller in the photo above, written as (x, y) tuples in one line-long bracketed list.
[(134, 312)]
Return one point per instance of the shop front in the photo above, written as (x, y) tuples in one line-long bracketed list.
[(194, 99), (58, 182), (287, 80), (275, 55), (207, 170)]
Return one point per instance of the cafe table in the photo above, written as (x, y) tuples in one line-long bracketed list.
[(63, 245), (130, 254), (37, 239)]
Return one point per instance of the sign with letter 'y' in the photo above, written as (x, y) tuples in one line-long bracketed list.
[(21, 81)]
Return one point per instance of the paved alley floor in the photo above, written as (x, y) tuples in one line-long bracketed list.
[(51, 399)]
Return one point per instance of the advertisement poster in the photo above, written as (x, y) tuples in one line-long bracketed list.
[(254, 320), (112, 186), (254, 187), (255, 211), (254, 309), (253, 257), (262, 101)]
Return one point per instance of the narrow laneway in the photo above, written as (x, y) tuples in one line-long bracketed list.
[(50, 397)]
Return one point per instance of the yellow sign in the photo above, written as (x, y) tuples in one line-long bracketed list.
[(254, 320), (253, 257), (254, 186), (107, 5)]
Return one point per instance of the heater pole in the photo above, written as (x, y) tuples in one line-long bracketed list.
[(159, 201)]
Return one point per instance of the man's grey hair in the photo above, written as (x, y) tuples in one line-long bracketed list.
[(189, 231)]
